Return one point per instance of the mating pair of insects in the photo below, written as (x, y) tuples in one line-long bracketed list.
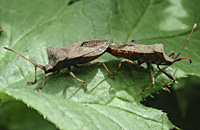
[(82, 52)]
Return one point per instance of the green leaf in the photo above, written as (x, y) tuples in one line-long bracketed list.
[(181, 106), (15, 115), (29, 27)]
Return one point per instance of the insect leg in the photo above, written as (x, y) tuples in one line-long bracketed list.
[(72, 74), (171, 54), (168, 75), (32, 82), (126, 61), (98, 62), (47, 75), (152, 79)]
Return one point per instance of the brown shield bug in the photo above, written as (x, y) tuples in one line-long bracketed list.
[(79, 52), (149, 54)]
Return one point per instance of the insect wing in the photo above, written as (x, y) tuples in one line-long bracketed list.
[(86, 48), (138, 48)]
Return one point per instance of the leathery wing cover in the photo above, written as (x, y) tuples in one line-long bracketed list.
[(78, 52)]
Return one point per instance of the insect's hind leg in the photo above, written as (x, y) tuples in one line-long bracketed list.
[(125, 61), (168, 75), (98, 62), (152, 80)]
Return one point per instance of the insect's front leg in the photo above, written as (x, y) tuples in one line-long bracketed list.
[(98, 62), (32, 82), (171, 54), (152, 79), (72, 74), (126, 61), (47, 75), (168, 75)]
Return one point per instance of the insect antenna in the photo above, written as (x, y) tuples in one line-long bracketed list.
[(37, 65), (195, 25)]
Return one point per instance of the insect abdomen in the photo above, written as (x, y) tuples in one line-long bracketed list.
[(123, 53)]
